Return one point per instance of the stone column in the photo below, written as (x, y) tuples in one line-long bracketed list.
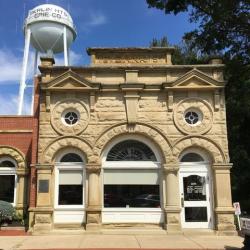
[(224, 212), (94, 197), (172, 208), (44, 205), (21, 190)]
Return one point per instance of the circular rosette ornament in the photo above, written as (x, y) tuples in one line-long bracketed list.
[(69, 117), (193, 116)]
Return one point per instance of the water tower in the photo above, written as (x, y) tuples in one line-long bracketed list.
[(49, 29)]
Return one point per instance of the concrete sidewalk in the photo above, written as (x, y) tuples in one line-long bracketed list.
[(121, 241)]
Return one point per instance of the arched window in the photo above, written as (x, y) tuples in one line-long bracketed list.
[(71, 157), (131, 176), (131, 150), (192, 157), (7, 179), (69, 178)]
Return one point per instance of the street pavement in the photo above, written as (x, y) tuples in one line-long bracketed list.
[(124, 241)]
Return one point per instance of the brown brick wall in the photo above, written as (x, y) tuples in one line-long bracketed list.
[(24, 138)]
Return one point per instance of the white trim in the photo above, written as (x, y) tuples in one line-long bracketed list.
[(131, 164), (201, 169)]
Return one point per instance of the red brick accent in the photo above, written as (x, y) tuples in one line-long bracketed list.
[(24, 138)]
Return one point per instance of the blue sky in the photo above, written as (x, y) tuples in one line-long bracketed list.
[(100, 23)]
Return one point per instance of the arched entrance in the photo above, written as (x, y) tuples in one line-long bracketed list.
[(69, 198), (196, 189), (132, 184)]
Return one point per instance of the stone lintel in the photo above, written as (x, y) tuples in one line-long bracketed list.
[(222, 166)]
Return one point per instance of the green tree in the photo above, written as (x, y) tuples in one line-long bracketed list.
[(222, 24)]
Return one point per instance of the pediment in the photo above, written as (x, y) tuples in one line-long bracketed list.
[(71, 81), (195, 79)]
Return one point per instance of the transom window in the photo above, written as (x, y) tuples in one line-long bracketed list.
[(71, 157), (192, 157), (7, 164), (131, 150)]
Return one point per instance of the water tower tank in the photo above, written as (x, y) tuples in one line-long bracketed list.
[(47, 23)]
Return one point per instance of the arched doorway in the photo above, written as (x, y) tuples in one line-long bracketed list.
[(196, 189), (69, 197), (132, 184)]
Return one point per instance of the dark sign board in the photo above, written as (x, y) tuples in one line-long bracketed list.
[(43, 186)]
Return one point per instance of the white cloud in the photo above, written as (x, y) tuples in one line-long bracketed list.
[(11, 65), (9, 104), (93, 19), (97, 19), (74, 58)]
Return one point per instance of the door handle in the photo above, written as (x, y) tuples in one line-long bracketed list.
[(182, 201)]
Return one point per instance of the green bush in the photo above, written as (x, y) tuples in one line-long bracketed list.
[(7, 211)]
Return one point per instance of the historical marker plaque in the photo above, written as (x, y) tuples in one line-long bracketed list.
[(43, 186)]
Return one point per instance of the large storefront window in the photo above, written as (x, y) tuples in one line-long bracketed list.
[(7, 179), (131, 177)]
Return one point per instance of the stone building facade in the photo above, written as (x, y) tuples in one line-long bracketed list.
[(132, 140)]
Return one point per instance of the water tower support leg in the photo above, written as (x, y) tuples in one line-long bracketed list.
[(66, 58), (33, 90), (24, 71)]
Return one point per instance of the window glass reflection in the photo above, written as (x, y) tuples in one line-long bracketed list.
[(70, 195), (194, 188), (132, 196), (196, 214), (7, 187)]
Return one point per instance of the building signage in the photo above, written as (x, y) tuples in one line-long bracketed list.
[(52, 13), (128, 59), (237, 208), (43, 186)]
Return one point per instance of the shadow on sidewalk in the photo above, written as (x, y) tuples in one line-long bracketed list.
[(232, 248)]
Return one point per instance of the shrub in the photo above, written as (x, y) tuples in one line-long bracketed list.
[(7, 211)]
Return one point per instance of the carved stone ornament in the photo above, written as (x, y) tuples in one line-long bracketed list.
[(69, 105), (196, 104)]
